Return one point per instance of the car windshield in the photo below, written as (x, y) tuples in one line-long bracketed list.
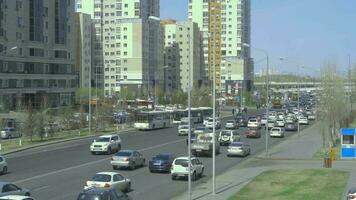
[(103, 139), (101, 178), (225, 133), (161, 157), (200, 128), (230, 121), (89, 197), (205, 138), (253, 120), (184, 127), (275, 129), (236, 144), (182, 162), (123, 153)]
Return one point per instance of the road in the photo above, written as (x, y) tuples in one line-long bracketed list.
[(59, 172)]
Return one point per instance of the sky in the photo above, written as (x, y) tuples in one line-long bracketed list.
[(306, 33)]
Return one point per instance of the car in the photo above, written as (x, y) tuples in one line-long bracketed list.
[(231, 124), (180, 168), (241, 121), (253, 123), (12, 189), (8, 133), (351, 193), (276, 132), (270, 124), (109, 180), (303, 121), (106, 144), (184, 129), (210, 124), (96, 193), (311, 117), (238, 149), (291, 127), (16, 197), (228, 136), (253, 133), (3, 165), (161, 162), (205, 121), (127, 158), (280, 123), (263, 121), (290, 119)]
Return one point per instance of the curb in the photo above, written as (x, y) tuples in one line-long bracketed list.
[(56, 142)]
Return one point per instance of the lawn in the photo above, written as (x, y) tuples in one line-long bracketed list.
[(295, 185)]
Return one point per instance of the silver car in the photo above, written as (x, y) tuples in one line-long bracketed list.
[(8, 133), (12, 189), (3, 165), (127, 158)]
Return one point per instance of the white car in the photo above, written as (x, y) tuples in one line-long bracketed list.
[(180, 168), (206, 120), (16, 197), (311, 117), (290, 120), (253, 123), (303, 120), (280, 123), (238, 149), (276, 132), (109, 180), (184, 129), (228, 136), (264, 121), (210, 124), (3, 165), (231, 124), (270, 124), (106, 144)]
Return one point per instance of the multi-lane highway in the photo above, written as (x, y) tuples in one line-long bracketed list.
[(58, 172)]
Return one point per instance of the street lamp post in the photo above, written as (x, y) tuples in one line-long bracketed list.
[(267, 91)]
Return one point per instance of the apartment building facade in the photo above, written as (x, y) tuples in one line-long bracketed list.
[(227, 24), (37, 54)]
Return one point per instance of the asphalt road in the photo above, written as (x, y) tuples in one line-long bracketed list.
[(59, 172)]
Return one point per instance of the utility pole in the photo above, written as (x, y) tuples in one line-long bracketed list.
[(350, 83)]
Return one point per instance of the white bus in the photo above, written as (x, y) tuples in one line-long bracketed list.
[(149, 120), (197, 114)]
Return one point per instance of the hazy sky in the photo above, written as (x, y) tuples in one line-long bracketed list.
[(310, 32)]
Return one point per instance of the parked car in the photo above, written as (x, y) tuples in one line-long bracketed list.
[(109, 180), (253, 133), (127, 158), (351, 194), (291, 127), (16, 197), (303, 121), (228, 136), (231, 124), (3, 165), (106, 144), (161, 162), (8, 133), (102, 194), (238, 149), (12, 189), (276, 132), (184, 129), (180, 168)]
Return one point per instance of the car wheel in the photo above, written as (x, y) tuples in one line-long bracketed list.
[(92, 153), (4, 170), (114, 167), (108, 151), (27, 194), (133, 166), (128, 188), (173, 177)]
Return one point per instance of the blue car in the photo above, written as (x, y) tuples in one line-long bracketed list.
[(161, 162)]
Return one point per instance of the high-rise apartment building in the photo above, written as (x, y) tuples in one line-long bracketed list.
[(37, 55), (130, 41), (182, 53), (225, 23)]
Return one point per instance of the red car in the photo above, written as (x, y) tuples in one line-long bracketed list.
[(253, 133)]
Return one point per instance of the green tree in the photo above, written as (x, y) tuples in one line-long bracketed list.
[(39, 126), (179, 97), (200, 97)]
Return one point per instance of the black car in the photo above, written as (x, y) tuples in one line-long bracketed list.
[(161, 162), (291, 127), (102, 194), (242, 121)]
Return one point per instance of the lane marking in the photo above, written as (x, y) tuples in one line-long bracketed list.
[(40, 188), (89, 163)]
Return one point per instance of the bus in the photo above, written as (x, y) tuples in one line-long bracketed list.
[(149, 120), (197, 114)]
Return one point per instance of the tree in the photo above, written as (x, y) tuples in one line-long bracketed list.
[(39, 126), (200, 97), (30, 122), (179, 97)]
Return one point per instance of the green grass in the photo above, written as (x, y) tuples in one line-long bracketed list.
[(7, 145), (295, 185)]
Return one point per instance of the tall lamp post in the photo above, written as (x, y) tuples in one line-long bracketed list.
[(267, 90)]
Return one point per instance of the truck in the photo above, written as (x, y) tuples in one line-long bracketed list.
[(204, 144)]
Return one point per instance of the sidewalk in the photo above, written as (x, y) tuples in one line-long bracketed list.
[(294, 153)]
